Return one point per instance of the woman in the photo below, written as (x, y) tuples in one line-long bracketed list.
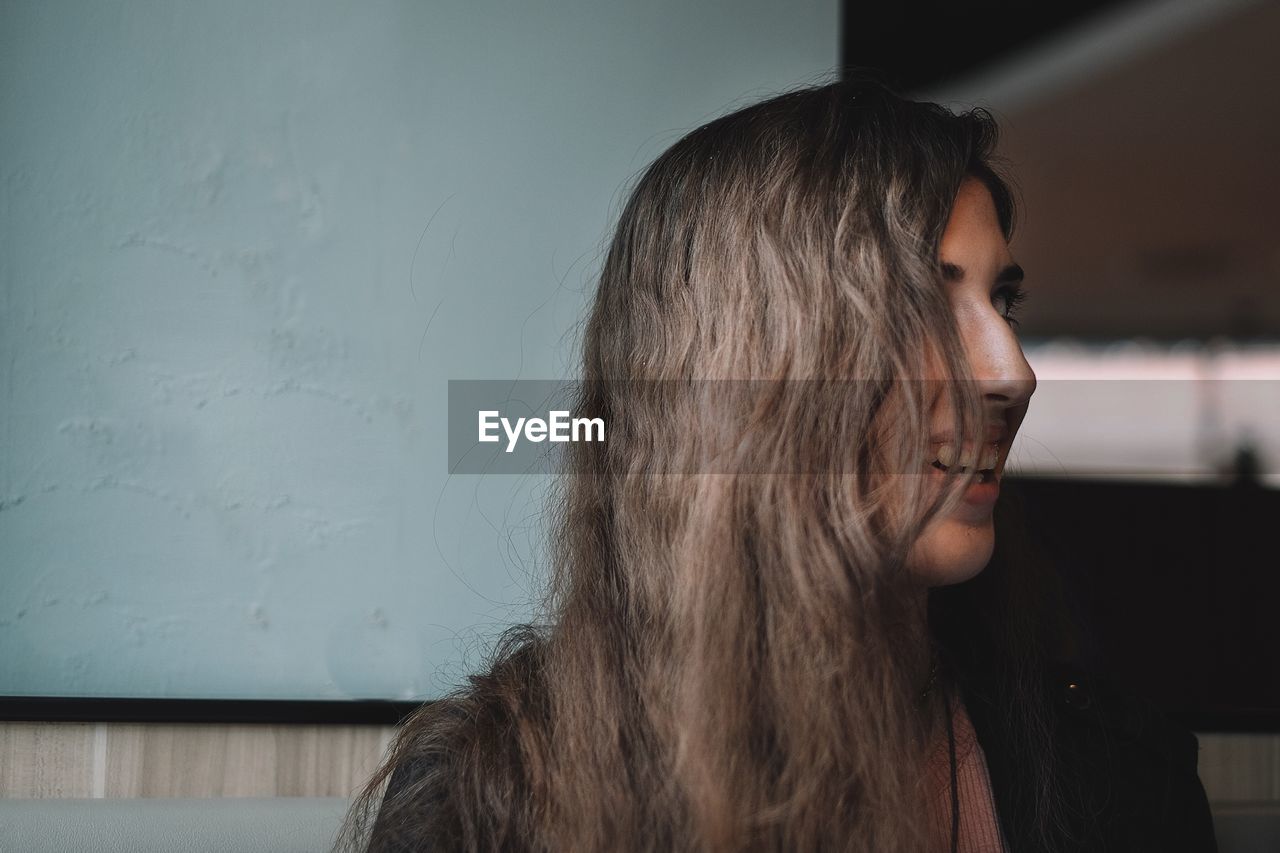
[(818, 642)]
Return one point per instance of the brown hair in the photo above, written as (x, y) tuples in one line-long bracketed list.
[(733, 661)]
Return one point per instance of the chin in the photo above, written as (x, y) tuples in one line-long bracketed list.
[(952, 550)]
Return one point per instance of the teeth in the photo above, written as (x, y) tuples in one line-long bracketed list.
[(990, 456), (947, 454), (947, 457)]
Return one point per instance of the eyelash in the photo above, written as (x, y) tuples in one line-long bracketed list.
[(1014, 295)]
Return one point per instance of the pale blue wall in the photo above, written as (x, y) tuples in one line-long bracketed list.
[(223, 465)]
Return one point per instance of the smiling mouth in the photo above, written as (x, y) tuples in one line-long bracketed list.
[(946, 460), (985, 475)]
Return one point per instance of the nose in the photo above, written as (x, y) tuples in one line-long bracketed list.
[(1001, 369)]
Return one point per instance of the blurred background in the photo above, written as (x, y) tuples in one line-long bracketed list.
[(1142, 140), (244, 246)]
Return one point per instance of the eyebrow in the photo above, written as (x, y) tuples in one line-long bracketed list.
[(1008, 275)]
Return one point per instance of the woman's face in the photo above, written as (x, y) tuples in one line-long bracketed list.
[(980, 275)]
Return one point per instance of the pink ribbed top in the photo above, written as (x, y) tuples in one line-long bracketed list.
[(979, 825)]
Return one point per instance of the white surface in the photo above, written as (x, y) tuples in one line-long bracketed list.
[(1148, 412), (275, 825), (308, 825)]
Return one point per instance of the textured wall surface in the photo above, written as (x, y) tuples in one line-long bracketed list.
[(243, 246)]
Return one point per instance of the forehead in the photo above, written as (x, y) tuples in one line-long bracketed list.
[(973, 225)]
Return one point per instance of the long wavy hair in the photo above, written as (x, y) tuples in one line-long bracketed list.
[(734, 660)]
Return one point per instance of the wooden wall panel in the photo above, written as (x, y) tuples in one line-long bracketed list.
[(1240, 767), (187, 760), (47, 759), (163, 760)]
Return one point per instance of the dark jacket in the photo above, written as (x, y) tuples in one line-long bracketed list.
[(1134, 771), (1131, 770)]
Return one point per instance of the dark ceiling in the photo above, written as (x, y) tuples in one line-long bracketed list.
[(1148, 182), (914, 46), (1150, 189)]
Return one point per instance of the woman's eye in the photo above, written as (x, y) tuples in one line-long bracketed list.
[(1007, 301)]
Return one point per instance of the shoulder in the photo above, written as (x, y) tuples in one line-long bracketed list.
[(1097, 704), (459, 769), (1131, 767), (416, 803), (412, 772)]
